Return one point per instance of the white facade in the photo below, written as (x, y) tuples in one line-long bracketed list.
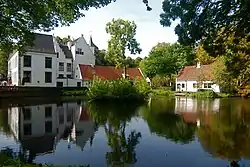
[(64, 70), (192, 86)]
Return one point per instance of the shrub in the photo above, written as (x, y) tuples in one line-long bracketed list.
[(203, 94), (121, 88)]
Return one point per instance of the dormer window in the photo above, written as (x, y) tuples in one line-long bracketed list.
[(79, 51)]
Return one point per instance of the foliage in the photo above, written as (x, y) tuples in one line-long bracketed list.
[(202, 56), (63, 41), (166, 59), (4, 55), (225, 134), (20, 18), (122, 34), (162, 81), (164, 122), (162, 92), (118, 89), (203, 94), (100, 58), (202, 19), (234, 60)]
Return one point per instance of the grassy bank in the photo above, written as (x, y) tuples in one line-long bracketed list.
[(209, 94), (162, 92), (121, 89), (82, 92)]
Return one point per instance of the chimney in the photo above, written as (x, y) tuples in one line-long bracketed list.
[(82, 35), (124, 72), (198, 65)]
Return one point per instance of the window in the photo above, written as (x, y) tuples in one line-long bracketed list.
[(27, 61), (48, 127), (27, 76), (27, 129), (195, 85), (205, 85), (48, 112), (69, 68), (26, 114), (210, 85), (79, 51), (78, 84), (59, 84), (48, 62), (48, 77), (69, 76), (183, 85), (61, 76), (61, 66)]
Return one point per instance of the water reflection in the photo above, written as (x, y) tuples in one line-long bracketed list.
[(163, 120), (39, 128), (218, 127), (114, 118)]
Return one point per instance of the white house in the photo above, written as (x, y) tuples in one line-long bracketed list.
[(193, 78), (49, 64)]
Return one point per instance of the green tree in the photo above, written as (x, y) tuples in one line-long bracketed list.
[(122, 35), (100, 58), (202, 56), (166, 59), (137, 61), (233, 66), (202, 19), (20, 18), (4, 55)]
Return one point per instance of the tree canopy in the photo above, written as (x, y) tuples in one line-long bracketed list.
[(166, 59), (200, 20), (122, 38), (20, 18)]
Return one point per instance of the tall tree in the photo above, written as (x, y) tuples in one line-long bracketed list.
[(202, 56), (166, 59), (202, 19), (122, 34), (18, 19)]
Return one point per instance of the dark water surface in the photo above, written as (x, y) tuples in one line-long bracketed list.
[(179, 132)]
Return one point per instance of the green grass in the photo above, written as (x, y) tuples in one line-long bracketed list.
[(161, 92), (209, 94)]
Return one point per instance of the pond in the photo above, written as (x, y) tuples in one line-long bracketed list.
[(173, 132)]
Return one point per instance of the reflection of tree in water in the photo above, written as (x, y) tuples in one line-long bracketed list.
[(114, 116), (164, 122), (4, 121), (226, 134)]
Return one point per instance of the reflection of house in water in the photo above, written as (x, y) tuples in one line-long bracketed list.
[(84, 129), (39, 128), (188, 108)]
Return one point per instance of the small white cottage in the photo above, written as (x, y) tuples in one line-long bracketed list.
[(194, 78)]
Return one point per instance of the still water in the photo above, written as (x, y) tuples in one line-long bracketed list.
[(178, 132)]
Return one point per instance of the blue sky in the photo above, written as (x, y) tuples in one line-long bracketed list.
[(149, 30)]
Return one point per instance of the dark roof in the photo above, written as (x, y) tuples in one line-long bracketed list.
[(42, 43), (74, 41), (108, 72), (91, 43), (66, 51), (192, 73)]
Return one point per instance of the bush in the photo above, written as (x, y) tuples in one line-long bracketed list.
[(203, 94), (118, 89), (162, 92), (74, 93)]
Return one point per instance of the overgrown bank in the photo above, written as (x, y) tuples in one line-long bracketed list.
[(122, 89)]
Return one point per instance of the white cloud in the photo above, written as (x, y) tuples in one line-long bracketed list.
[(149, 30)]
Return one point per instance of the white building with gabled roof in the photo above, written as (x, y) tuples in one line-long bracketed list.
[(49, 64)]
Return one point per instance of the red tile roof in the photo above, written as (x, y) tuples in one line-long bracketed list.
[(189, 117), (191, 73), (84, 115), (107, 72)]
